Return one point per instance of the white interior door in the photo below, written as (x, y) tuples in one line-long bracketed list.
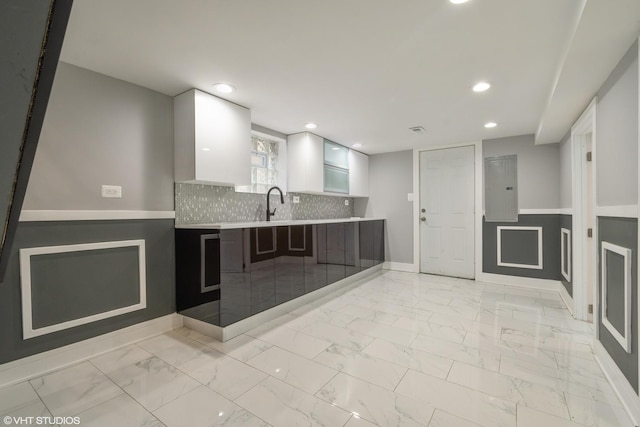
[(447, 212)]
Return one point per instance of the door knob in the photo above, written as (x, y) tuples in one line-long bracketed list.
[(423, 219)]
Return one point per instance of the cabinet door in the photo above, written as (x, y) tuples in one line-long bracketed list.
[(335, 253), (366, 244), (263, 268), (305, 163), (292, 246), (358, 174), (336, 155), (315, 264), (235, 280), (336, 180), (351, 248)]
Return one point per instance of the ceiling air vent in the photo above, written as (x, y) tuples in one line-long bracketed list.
[(417, 130)]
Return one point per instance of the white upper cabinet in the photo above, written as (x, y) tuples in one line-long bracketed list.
[(318, 166), (305, 159), (212, 140), (358, 174)]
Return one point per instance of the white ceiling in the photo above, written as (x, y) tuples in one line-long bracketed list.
[(367, 70)]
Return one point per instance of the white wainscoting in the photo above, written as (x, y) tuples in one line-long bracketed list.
[(565, 262), (623, 339), (501, 263), (92, 215), (25, 282)]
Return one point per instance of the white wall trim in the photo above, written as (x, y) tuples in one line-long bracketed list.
[(399, 266), (567, 299), (499, 230), (627, 211), (39, 364), (521, 282), (25, 284), (566, 211), (478, 182), (91, 215), (554, 211), (623, 339), (619, 382), (565, 264)]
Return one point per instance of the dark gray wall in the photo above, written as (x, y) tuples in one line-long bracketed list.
[(538, 169), (617, 134), (159, 241), (622, 232), (100, 130), (390, 180), (566, 221), (526, 250)]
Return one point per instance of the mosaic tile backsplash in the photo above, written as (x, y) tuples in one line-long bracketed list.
[(199, 204)]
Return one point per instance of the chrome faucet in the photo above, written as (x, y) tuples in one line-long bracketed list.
[(269, 213)]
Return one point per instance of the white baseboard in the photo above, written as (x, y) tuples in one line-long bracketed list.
[(42, 363), (567, 299), (244, 325), (521, 282), (624, 391), (399, 266)]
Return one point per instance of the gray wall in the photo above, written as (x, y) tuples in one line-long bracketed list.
[(565, 173), (538, 169), (100, 130), (390, 179), (566, 221), (617, 134)]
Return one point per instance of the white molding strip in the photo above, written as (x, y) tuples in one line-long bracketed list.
[(566, 211), (399, 266), (565, 263), (521, 282), (623, 339), (25, 284), (554, 211), (39, 364), (499, 230), (567, 299), (619, 382), (91, 215), (627, 211)]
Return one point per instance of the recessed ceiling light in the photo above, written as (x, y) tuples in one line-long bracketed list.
[(311, 126), (223, 88), (490, 125), (357, 145), (481, 87), (206, 149), (458, 1), (335, 148)]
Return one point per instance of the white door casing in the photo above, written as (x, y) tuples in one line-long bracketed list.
[(447, 231)]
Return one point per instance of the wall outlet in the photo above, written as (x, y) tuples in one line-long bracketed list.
[(409, 197), (112, 191), (346, 202), (296, 199)]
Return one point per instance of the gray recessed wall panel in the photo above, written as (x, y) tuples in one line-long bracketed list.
[(523, 249), (615, 289), (519, 247), (566, 221), (622, 232), (103, 280), (159, 245)]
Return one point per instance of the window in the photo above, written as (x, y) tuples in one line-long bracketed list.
[(268, 156)]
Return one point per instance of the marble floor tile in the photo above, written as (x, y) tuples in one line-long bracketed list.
[(512, 349), (516, 390), (17, 396), (35, 410), (295, 341), (153, 382), (359, 422), (222, 373), (375, 404), (203, 407), (411, 358), (121, 411), (120, 358), (362, 365), (72, 390), (454, 351), (596, 414), (293, 369), (481, 408), (173, 348), (462, 312), (385, 332), (364, 313), (444, 419), (336, 335), (431, 329), (528, 417), (242, 347), (281, 404)]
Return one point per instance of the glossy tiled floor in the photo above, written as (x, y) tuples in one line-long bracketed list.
[(401, 349)]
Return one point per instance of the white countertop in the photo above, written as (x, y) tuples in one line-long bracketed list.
[(253, 224)]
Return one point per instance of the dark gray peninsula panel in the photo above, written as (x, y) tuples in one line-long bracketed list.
[(226, 275)]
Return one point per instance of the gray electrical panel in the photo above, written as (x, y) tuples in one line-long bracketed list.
[(501, 188)]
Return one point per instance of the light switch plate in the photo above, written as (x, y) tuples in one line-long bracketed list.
[(409, 197), (346, 202), (112, 191), (296, 199)]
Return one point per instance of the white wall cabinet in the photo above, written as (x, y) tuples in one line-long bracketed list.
[(358, 174), (212, 140), (306, 167)]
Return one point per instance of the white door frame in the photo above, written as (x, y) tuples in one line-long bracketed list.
[(585, 125), (478, 203)]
